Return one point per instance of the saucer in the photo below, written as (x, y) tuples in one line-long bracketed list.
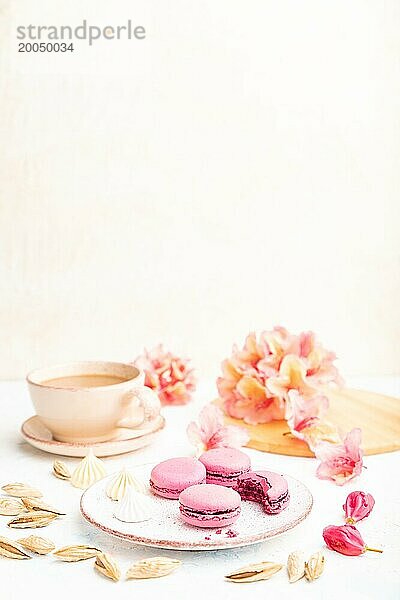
[(36, 434)]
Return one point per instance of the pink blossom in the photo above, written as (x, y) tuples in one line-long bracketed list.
[(345, 539), (256, 380), (318, 360), (210, 432), (292, 375), (303, 416), (277, 343), (168, 375), (340, 462), (358, 505), (303, 412), (320, 431), (251, 401)]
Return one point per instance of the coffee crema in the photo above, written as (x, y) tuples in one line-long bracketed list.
[(84, 381)]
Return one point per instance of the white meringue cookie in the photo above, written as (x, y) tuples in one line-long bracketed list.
[(118, 485), (89, 470), (134, 507)]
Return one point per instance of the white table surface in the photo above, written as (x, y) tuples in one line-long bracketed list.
[(370, 576)]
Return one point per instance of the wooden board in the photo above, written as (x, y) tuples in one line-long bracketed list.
[(378, 416)]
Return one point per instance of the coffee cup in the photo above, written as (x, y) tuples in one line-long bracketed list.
[(89, 401)]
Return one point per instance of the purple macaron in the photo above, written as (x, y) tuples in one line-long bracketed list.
[(224, 465), (209, 505), (265, 487), (170, 477)]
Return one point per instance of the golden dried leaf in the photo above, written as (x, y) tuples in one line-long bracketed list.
[(10, 549), (76, 553), (315, 566), (107, 566), (37, 544), (20, 490), (295, 566), (60, 470), (32, 519), (10, 507), (254, 572), (36, 504), (159, 566)]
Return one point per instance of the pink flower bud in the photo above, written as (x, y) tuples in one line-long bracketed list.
[(345, 539), (358, 505)]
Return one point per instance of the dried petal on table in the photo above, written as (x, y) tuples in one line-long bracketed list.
[(37, 544), (36, 504), (10, 507), (32, 519), (254, 572), (20, 490), (10, 549), (159, 566), (295, 566), (106, 565), (76, 553), (314, 566), (60, 470)]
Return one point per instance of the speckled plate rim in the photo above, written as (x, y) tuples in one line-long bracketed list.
[(78, 449), (206, 545)]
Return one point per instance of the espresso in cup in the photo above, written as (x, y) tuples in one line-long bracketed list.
[(89, 401)]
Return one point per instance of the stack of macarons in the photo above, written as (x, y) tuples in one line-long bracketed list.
[(211, 488)]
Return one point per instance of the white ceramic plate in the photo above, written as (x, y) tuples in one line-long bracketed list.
[(167, 530), (36, 434)]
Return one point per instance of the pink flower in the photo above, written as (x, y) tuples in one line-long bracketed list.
[(302, 412), (251, 401), (304, 417), (345, 539), (318, 432), (358, 505), (277, 343), (319, 362), (291, 376), (257, 379), (168, 375), (340, 462), (211, 432)]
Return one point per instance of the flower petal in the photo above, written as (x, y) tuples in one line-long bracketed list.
[(211, 432), (251, 388)]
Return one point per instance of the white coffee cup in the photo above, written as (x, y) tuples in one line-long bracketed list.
[(88, 401)]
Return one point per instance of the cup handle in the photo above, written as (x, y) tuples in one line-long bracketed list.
[(139, 406)]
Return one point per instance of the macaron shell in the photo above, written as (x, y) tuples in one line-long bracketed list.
[(224, 465), (210, 522), (171, 476), (209, 505), (208, 497)]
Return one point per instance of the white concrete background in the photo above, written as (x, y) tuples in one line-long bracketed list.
[(237, 169), (369, 577)]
